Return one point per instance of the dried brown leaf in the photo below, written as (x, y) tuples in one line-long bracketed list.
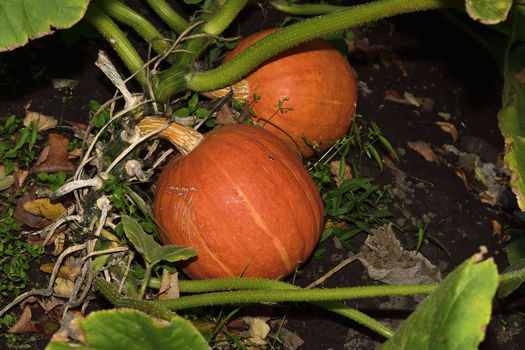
[(258, 331), (43, 207), (410, 98), (225, 116), (461, 174), (424, 149), (43, 122), (449, 128), (334, 169), (74, 154), (169, 286), (24, 323), (25, 218), (394, 96), (54, 157)]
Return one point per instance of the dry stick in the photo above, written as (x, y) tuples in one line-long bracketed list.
[(49, 290), (331, 272), (125, 152)]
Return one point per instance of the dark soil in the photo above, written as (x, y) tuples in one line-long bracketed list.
[(440, 63)]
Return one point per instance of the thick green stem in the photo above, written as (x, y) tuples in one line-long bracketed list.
[(118, 40), (511, 276), (217, 19), (176, 76), (222, 19), (304, 9), (143, 27), (145, 281), (306, 30), (293, 295), (169, 15)]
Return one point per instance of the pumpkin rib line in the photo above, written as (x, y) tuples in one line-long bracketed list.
[(269, 146), (283, 253), (175, 214)]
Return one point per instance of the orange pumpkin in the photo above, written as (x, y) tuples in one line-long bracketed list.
[(243, 200), (305, 93)]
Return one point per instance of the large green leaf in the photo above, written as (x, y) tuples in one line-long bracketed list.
[(455, 315), (512, 114), (488, 11), (21, 20), (134, 330)]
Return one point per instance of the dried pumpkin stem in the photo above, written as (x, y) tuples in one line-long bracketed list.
[(183, 138)]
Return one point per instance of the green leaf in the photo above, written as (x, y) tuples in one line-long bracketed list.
[(152, 251), (134, 330), (507, 287), (488, 11), (28, 19), (6, 182), (455, 315), (515, 250), (511, 121)]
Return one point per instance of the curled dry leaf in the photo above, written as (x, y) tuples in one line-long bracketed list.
[(449, 128), (258, 331), (386, 261), (394, 96), (225, 116), (74, 154), (54, 157), (424, 149), (43, 122), (169, 286), (6, 181), (334, 169), (24, 324), (24, 217), (43, 207), (410, 98)]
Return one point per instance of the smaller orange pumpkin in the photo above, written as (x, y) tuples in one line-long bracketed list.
[(241, 198), (307, 93)]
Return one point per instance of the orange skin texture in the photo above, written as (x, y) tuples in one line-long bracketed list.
[(319, 84), (244, 201)]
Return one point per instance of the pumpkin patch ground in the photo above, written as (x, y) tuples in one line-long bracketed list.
[(423, 85)]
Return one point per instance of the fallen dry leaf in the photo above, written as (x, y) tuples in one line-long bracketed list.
[(54, 157), (449, 128), (43, 122), (410, 98), (24, 323), (23, 217), (74, 154), (169, 286), (334, 169), (394, 96), (386, 261), (21, 176), (258, 331), (225, 116), (44, 207), (64, 83), (461, 174), (424, 149)]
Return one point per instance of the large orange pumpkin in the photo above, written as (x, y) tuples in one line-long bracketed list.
[(307, 93), (243, 200)]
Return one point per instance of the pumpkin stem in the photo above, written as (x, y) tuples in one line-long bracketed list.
[(118, 40), (168, 15), (183, 138), (239, 90), (304, 9)]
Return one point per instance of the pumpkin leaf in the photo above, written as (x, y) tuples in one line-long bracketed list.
[(28, 19), (152, 251), (455, 315), (511, 121), (488, 11), (110, 329)]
